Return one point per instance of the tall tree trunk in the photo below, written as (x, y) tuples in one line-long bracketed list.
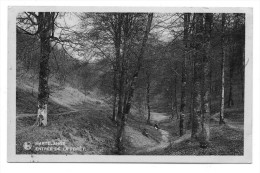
[(205, 133), (175, 96), (239, 29), (121, 76), (210, 85), (184, 75), (148, 97), (222, 103), (120, 114), (230, 97), (45, 27), (172, 104), (114, 118), (192, 114), (190, 88), (200, 126), (243, 71)]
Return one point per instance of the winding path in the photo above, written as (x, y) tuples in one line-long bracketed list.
[(148, 145)]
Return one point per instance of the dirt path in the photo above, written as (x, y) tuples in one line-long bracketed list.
[(163, 144), (158, 117), (144, 144), (137, 139)]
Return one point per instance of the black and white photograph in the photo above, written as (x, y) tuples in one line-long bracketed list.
[(129, 84)]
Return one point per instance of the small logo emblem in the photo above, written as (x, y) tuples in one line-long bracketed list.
[(27, 145)]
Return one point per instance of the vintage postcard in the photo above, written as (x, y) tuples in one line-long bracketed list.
[(130, 84)]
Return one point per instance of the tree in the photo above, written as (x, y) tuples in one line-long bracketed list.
[(197, 45), (114, 117), (222, 102), (129, 92), (184, 74), (206, 85), (41, 25), (148, 85), (231, 70), (46, 30), (201, 43)]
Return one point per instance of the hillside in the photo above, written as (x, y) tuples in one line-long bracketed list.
[(76, 119), (82, 122)]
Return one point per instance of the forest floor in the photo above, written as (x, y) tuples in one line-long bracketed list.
[(84, 124)]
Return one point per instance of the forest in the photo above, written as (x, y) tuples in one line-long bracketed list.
[(130, 83)]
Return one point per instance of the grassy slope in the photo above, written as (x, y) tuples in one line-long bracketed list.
[(26, 102), (90, 128)]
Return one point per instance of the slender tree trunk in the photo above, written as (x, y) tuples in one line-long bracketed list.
[(121, 76), (196, 125), (197, 97), (172, 105), (192, 114), (45, 27), (230, 96), (190, 84), (222, 104), (120, 114), (148, 97), (243, 72), (210, 85), (114, 118), (240, 49), (175, 96)]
